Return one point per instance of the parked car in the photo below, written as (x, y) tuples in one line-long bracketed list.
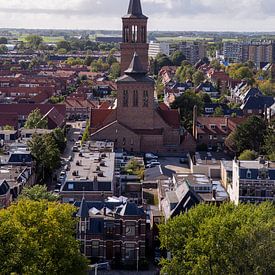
[(150, 156)]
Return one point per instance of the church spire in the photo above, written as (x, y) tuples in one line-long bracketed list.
[(135, 66), (135, 10)]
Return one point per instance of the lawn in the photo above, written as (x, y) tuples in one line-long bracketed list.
[(182, 38), (46, 39)]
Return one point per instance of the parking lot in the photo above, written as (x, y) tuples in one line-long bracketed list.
[(172, 165)]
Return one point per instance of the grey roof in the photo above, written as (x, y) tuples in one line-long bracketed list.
[(135, 10), (4, 187), (154, 173), (131, 209), (135, 78), (20, 157), (258, 102), (83, 209), (135, 66), (86, 186)]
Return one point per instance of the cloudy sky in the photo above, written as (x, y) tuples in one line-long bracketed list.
[(200, 15)]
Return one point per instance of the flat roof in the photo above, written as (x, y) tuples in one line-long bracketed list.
[(210, 158)]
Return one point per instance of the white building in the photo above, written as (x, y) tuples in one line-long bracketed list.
[(249, 181), (158, 47)]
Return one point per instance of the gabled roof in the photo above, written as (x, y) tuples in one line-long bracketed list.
[(98, 116), (171, 117), (135, 10)]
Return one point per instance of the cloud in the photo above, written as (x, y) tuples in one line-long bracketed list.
[(249, 15)]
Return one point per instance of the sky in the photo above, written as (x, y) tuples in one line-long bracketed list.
[(168, 15)]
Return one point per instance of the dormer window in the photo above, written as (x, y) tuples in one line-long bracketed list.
[(248, 174), (224, 127), (213, 126)]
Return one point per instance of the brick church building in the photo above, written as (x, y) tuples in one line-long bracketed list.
[(137, 122)]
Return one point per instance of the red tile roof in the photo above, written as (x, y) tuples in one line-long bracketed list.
[(98, 116), (171, 117)]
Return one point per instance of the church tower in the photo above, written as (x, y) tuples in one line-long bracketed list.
[(134, 36)]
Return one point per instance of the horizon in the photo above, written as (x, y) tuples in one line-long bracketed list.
[(186, 15)]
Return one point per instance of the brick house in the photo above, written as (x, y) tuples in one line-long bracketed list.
[(111, 231)]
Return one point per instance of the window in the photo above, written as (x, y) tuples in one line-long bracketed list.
[(212, 126), (130, 229), (145, 99), (135, 99), (248, 174), (95, 248), (210, 137), (130, 251), (125, 98), (70, 186), (134, 34)]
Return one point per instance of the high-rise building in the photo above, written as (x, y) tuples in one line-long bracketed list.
[(137, 122), (156, 48)]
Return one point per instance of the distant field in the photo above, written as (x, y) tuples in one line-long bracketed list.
[(46, 39), (230, 40), (182, 38)]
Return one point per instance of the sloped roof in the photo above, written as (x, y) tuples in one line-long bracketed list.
[(98, 116), (4, 187), (171, 117), (83, 210), (135, 10), (131, 209), (135, 66), (258, 102)]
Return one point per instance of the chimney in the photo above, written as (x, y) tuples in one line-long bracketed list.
[(104, 211), (195, 118)]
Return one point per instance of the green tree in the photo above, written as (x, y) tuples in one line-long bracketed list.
[(45, 151), (63, 44), (198, 77), (224, 239), (115, 70), (60, 138), (186, 103), (37, 237), (177, 58), (218, 111), (269, 144), (34, 40), (38, 193), (248, 135), (248, 155), (86, 134), (35, 121), (3, 40), (8, 127), (215, 64), (88, 60), (3, 49)]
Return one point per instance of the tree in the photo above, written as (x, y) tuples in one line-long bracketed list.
[(34, 41), (45, 151), (3, 49), (115, 70), (224, 239), (88, 60), (162, 60), (35, 121), (177, 58), (63, 44), (37, 237), (8, 128), (248, 155), (86, 134), (239, 71), (60, 138), (215, 64), (3, 40), (269, 144), (198, 77), (186, 103), (38, 193), (248, 135), (185, 72), (218, 111)]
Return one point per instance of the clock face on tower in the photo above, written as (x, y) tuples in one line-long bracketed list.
[(130, 230)]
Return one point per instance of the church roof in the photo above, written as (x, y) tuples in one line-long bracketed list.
[(135, 10), (135, 66)]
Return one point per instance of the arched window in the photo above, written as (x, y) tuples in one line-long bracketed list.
[(125, 98), (135, 99), (145, 99)]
